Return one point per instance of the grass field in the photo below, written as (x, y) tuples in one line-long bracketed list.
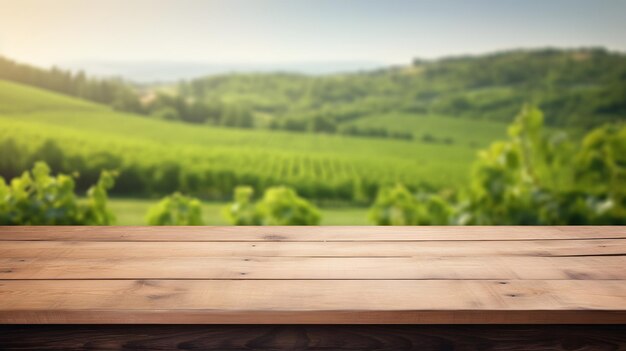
[(133, 212)]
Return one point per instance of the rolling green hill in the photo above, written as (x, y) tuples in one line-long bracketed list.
[(157, 157), (22, 99), (576, 88), (439, 129)]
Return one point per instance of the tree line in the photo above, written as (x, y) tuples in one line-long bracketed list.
[(124, 96), (110, 91)]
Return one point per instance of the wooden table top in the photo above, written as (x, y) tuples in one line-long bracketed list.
[(317, 275)]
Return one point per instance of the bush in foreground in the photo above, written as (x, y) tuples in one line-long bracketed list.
[(176, 209), (279, 206), (37, 198), (398, 206), (536, 177), (242, 211)]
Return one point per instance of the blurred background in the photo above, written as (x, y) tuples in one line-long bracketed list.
[(279, 112)]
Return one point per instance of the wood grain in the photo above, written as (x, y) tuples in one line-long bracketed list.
[(345, 268), (147, 249), (312, 275), (314, 337), (328, 233), (312, 301)]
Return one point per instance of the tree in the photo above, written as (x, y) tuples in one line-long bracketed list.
[(322, 124), (167, 114)]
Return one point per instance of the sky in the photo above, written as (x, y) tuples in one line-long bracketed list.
[(47, 32)]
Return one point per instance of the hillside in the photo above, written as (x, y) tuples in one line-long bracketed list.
[(18, 98), (156, 157), (577, 88)]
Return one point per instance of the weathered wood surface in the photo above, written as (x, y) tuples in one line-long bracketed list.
[(307, 234), (313, 275), (314, 337), (330, 268)]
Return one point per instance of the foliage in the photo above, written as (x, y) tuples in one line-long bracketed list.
[(373, 132), (576, 88), (534, 178), (279, 206), (433, 209), (176, 209), (603, 155), (394, 206), (37, 198), (96, 211), (398, 206), (114, 92), (282, 206), (242, 211), (518, 182), (178, 108)]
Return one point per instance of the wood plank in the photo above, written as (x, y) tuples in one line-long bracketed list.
[(290, 233), (90, 249), (313, 275), (313, 337), (313, 301), (346, 268)]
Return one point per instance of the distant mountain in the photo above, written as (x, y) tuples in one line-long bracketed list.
[(166, 71)]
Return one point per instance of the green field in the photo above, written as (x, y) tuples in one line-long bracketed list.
[(465, 132), (208, 161)]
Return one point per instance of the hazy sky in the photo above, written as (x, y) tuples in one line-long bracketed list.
[(263, 31)]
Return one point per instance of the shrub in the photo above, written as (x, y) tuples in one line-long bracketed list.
[(282, 206), (432, 209), (37, 198), (398, 206), (279, 206), (167, 113), (176, 209), (394, 206), (531, 179), (242, 211)]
